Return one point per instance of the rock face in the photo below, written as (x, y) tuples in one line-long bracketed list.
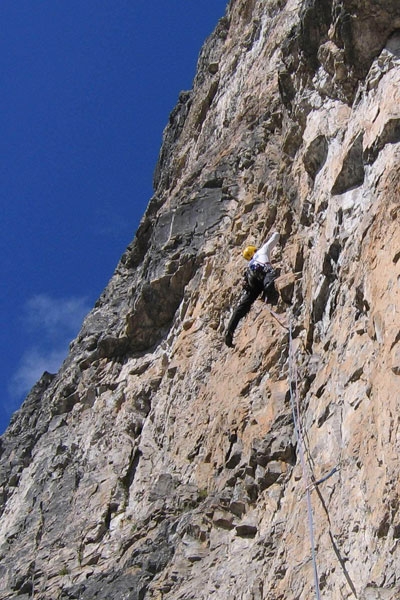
[(160, 464)]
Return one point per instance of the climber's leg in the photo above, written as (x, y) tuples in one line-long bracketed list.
[(241, 310), (270, 294)]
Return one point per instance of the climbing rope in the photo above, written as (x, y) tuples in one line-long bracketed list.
[(332, 472), (277, 318), (295, 405)]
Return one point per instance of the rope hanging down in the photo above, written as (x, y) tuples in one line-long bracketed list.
[(295, 405)]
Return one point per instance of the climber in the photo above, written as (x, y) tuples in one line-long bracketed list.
[(258, 278)]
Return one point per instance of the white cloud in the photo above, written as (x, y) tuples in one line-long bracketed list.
[(55, 317), (51, 324), (33, 364)]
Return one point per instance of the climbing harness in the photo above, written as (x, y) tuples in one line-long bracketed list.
[(295, 405), (258, 268)]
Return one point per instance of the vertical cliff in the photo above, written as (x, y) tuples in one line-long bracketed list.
[(160, 464)]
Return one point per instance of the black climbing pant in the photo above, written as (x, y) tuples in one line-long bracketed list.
[(254, 285), (246, 300)]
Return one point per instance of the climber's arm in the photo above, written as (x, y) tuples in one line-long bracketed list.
[(264, 253)]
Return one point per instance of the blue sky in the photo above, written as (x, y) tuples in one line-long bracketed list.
[(86, 90)]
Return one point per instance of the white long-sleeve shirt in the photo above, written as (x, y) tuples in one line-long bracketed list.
[(263, 255)]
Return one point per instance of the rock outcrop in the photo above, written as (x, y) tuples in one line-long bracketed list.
[(160, 464)]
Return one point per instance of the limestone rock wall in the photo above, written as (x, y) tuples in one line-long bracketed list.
[(159, 464)]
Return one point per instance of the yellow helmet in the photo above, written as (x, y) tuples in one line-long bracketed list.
[(248, 252)]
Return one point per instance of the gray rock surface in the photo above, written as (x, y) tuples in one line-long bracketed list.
[(160, 464)]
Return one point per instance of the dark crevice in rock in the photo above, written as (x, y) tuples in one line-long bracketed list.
[(233, 456), (327, 268), (335, 250), (356, 375), (384, 526), (389, 135), (393, 43), (136, 251), (129, 476), (320, 299), (286, 89), (315, 156), (214, 182), (396, 340), (302, 43), (315, 19), (360, 303), (206, 104), (364, 32), (324, 416), (343, 34), (352, 172), (112, 347)]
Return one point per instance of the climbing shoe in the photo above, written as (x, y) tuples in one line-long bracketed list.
[(228, 339)]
